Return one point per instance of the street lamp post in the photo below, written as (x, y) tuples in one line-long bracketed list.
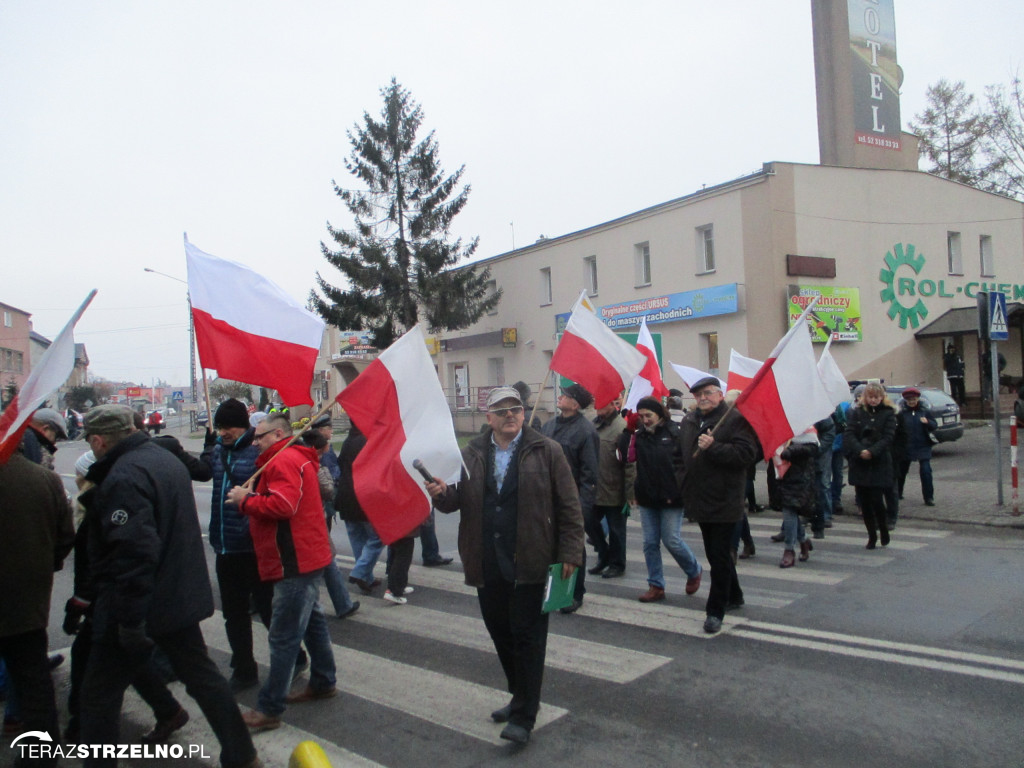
[(191, 338)]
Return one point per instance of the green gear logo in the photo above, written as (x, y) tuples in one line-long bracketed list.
[(903, 257)]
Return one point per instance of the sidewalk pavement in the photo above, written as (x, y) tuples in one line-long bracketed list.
[(965, 478), (964, 474)]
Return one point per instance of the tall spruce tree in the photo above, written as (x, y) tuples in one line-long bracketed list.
[(398, 259), (952, 132)]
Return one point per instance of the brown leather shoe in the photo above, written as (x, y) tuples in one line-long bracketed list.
[(164, 728), (692, 585), (652, 594), (788, 559), (311, 694), (258, 722), (805, 550)]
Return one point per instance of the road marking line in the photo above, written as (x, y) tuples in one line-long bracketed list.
[(910, 661), (569, 654), (458, 705), (774, 524)]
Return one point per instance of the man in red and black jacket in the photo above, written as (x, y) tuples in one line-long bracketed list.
[(289, 534)]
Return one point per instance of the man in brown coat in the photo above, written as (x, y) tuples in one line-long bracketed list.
[(36, 534), (520, 514)]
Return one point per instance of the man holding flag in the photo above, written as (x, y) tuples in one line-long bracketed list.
[(718, 445), (520, 513)]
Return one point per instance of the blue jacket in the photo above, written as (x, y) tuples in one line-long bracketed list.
[(231, 465), (919, 444)]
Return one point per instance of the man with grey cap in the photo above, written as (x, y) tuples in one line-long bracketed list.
[(151, 585), (39, 442), (520, 513), (581, 444)]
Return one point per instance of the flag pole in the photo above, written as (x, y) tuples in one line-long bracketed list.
[(251, 482), (536, 403)]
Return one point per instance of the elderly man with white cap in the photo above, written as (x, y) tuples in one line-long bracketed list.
[(45, 427), (520, 513)]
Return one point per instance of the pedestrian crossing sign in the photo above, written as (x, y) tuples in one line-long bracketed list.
[(997, 329)]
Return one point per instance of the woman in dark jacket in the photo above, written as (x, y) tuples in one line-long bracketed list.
[(867, 443), (798, 494), (659, 498)]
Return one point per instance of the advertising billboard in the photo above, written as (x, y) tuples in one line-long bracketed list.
[(837, 313), (875, 73)]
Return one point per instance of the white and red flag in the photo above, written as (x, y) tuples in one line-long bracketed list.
[(398, 403), (248, 329), (592, 355), (647, 383), (786, 395), (691, 376), (742, 370), (835, 382), (46, 377)]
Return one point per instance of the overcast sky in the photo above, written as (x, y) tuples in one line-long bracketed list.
[(125, 124)]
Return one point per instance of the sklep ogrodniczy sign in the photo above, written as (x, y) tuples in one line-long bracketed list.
[(906, 292)]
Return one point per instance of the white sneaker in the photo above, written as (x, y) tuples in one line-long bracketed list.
[(408, 591), (392, 599)]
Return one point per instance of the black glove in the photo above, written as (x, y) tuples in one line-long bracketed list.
[(74, 610), (134, 639), (210, 439)]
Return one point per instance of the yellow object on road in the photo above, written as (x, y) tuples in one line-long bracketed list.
[(308, 754)]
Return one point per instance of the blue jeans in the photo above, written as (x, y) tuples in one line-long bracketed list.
[(927, 485), (428, 540), (792, 528), (824, 478), (663, 526), (837, 480), (296, 616), (366, 548)]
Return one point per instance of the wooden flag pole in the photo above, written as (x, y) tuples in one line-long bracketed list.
[(539, 395), (251, 482)]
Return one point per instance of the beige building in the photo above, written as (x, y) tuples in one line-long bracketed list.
[(712, 271)]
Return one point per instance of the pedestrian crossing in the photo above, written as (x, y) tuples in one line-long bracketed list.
[(441, 696)]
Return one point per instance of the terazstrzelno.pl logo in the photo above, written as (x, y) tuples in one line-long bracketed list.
[(39, 745)]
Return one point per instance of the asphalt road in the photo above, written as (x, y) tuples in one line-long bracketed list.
[(909, 655)]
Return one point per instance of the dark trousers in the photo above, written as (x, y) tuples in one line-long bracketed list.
[(741, 531), (28, 670), (111, 669), (519, 631), (147, 682), (610, 550), (238, 577), (872, 507), (956, 389), (925, 471), (725, 585), (399, 559)]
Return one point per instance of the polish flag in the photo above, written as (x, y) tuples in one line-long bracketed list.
[(647, 383), (592, 355), (742, 370), (398, 403), (691, 376), (835, 382), (786, 395), (249, 330), (47, 376)]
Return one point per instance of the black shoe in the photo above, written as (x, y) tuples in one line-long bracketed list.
[(613, 572), (779, 537), (241, 683), (601, 565), (164, 728), (572, 607), (929, 503), (55, 660), (735, 605), (502, 715), (516, 733), (712, 624), (818, 534), (366, 587), (350, 611), (438, 562)]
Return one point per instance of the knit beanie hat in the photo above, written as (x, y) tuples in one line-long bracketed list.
[(231, 413)]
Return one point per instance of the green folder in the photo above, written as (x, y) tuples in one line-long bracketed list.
[(559, 591)]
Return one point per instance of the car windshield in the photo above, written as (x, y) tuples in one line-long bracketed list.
[(937, 399)]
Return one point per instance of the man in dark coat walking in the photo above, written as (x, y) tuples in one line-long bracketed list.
[(718, 445), (151, 584)]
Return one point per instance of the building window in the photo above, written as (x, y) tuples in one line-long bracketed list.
[(8, 321), (491, 289), (11, 360), (706, 248), (955, 256), (988, 267), (496, 370), (545, 286), (590, 275), (641, 265), (711, 344)]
